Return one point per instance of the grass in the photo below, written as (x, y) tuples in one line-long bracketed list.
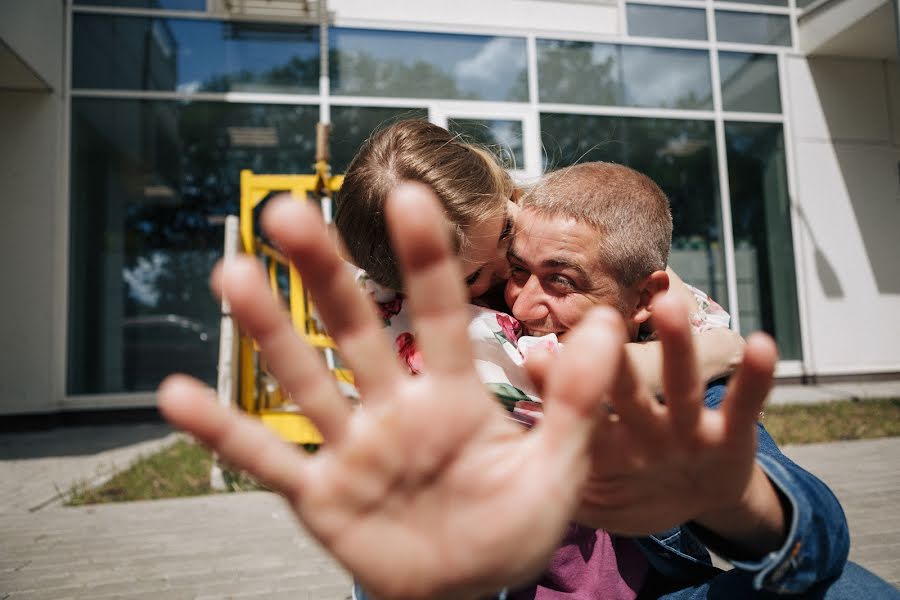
[(807, 424), (179, 470), (183, 468)]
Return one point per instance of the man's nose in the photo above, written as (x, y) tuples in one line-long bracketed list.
[(527, 305)]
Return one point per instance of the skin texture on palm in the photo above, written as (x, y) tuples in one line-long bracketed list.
[(428, 490)]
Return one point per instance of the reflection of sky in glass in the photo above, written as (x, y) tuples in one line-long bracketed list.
[(666, 77), (666, 21), (623, 75), (477, 67), (749, 82), (753, 28), (501, 136), (190, 55)]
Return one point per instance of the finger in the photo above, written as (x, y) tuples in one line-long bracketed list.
[(682, 385), (582, 377), (241, 441), (297, 366), (751, 384), (432, 278), (537, 367), (349, 316), (636, 406)]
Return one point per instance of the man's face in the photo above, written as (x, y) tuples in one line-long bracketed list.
[(556, 275)]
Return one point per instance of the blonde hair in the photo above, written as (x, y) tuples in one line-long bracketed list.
[(468, 180), (627, 209)]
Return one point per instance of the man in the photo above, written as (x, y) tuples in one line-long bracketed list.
[(599, 233), (430, 491)]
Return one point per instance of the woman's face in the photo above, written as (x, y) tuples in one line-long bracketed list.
[(484, 260)]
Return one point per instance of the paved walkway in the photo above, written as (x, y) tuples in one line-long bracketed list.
[(248, 545)]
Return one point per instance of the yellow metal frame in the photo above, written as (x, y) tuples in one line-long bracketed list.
[(259, 393)]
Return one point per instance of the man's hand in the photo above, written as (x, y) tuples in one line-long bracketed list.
[(428, 490), (658, 465)]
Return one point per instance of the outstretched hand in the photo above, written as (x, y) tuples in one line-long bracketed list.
[(660, 464), (427, 490)]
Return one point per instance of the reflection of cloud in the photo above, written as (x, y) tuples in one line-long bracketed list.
[(188, 87), (498, 63), (142, 278), (681, 146), (667, 78)]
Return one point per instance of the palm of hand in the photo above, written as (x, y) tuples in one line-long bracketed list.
[(642, 484), (416, 479), (428, 490)]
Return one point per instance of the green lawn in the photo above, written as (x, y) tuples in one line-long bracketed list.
[(833, 421), (183, 468)]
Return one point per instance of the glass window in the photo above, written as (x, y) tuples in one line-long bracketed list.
[(406, 64), (749, 82), (140, 53), (666, 21), (680, 155), (351, 125), (763, 244), (199, 5), (151, 183), (620, 75), (753, 28), (501, 136), (762, 2)]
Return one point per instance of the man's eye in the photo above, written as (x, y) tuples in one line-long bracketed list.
[(561, 281), (471, 279)]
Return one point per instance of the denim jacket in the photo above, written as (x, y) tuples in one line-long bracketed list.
[(817, 541)]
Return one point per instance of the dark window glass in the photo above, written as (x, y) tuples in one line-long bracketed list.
[(151, 183), (749, 82), (753, 28), (763, 244), (666, 21), (619, 75), (404, 64), (159, 4), (351, 125), (140, 53), (680, 156), (503, 137)]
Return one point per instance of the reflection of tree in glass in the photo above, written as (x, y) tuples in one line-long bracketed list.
[(360, 73), (351, 125), (679, 155), (574, 72), (188, 227), (298, 75)]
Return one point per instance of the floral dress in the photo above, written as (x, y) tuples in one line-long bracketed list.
[(499, 345)]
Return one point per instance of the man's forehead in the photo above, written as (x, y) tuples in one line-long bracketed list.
[(539, 233)]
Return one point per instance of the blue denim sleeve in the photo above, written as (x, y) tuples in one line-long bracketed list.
[(818, 539)]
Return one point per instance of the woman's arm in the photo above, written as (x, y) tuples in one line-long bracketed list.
[(718, 352)]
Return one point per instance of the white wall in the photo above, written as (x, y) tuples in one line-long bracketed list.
[(30, 123), (586, 16), (845, 129)]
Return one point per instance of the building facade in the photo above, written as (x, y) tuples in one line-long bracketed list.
[(773, 126)]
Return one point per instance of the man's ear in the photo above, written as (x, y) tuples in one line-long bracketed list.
[(655, 283)]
